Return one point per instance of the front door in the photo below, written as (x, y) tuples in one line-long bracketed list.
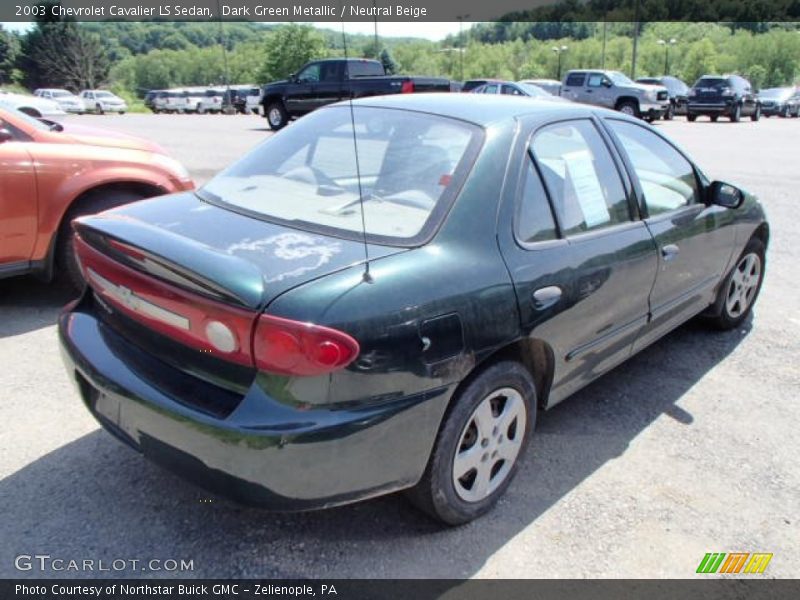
[(18, 201), (300, 97), (598, 90), (694, 240), (582, 262)]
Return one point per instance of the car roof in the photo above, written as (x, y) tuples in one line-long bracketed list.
[(480, 109)]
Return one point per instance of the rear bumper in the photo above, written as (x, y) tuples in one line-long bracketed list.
[(715, 108), (266, 452)]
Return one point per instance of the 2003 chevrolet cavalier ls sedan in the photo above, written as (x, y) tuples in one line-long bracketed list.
[(516, 251)]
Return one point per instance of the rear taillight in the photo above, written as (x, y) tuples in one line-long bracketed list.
[(407, 87), (269, 343), (294, 348)]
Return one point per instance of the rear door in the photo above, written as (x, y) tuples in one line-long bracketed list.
[(18, 199), (582, 262), (695, 241), (573, 86)]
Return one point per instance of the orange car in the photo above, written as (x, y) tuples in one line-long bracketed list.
[(52, 173)]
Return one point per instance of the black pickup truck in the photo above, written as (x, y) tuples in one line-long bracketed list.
[(321, 82)]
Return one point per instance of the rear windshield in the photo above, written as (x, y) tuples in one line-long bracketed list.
[(716, 83), (365, 69), (410, 164)]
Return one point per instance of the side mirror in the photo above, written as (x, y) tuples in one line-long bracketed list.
[(607, 83), (5, 135), (725, 194)]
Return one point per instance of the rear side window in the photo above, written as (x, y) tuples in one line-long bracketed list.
[(490, 88), (575, 79), (364, 69), (667, 178), (581, 177), (534, 219), (510, 90)]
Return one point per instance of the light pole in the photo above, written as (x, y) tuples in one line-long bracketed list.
[(559, 50), (375, 12), (461, 42), (667, 44)]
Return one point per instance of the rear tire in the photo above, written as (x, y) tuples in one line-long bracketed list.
[(714, 118), (736, 115), (483, 435), (67, 269), (670, 114), (757, 114), (276, 114), (99, 109), (739, 292), (691, 118)]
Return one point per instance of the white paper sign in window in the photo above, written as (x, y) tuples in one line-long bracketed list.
[(585, 184)]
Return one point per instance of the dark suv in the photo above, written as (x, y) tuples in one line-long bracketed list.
[(731, 96)]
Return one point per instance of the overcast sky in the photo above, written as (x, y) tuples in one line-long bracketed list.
[(430, 31)]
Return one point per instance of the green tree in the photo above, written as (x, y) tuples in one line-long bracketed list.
[(9, 49), (62, 54), (701, 59), (288, 48)]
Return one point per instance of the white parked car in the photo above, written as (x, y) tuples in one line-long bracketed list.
[(30, 105), (68, 101), (169, 101), (195, 100), (103, 101), (212, 100)]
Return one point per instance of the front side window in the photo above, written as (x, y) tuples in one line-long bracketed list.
[(595, 80), (490, 88), (310, 74), (668, 180), (581, 177), (409, 167)]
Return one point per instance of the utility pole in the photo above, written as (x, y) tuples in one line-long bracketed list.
[(559, 51), (635, 38), (667, 44), (461, 42), (605, 32), (227, 98), (375, 13)]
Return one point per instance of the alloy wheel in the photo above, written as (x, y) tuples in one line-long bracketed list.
[(743, 285), (275, 117), (489, 444)]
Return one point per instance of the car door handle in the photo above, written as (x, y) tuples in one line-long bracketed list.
[(670, 251), (546, 297)]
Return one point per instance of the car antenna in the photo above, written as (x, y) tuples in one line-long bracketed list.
[(367, 276)]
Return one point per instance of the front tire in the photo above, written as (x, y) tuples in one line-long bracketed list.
[(757, 114), (691, 118), (479, 446), (67, 268), (739, 291), (276, 114), (629, 107), (736, 115), (670, 114), (99, 109)]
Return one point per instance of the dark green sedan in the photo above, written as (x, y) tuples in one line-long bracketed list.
[(381, 296)]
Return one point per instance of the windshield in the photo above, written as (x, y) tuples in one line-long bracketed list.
[(533, 90), (776, 93), (619, 78), (410, 166)]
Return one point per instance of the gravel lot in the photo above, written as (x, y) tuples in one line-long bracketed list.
[(690, 447)]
